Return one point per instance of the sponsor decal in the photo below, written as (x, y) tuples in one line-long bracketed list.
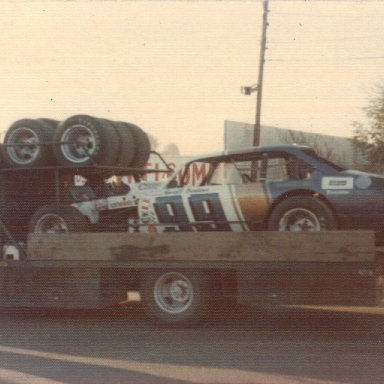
[(121, 203), (337, 183), (337, 192), (195, 190), (146, 214)]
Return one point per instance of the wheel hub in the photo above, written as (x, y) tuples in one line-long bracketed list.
[(173, 292), (179, 291), (299, 220), (24, 148), (79, 143)]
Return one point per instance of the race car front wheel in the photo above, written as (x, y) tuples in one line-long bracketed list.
[(175, 297), (54, 219), (301, 214)]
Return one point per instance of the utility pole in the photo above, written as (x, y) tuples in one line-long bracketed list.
[(263, 47)]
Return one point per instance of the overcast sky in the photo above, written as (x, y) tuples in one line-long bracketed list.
[(175, 67)]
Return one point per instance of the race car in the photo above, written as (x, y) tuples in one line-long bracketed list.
[(277, 188)]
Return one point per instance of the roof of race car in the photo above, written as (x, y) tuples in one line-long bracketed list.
[(245, 150)]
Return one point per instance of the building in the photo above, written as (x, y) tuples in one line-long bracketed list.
[(339, 150)]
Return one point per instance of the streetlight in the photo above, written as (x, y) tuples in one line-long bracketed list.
[(249, 90)]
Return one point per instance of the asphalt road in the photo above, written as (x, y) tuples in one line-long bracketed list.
[(241, 346)]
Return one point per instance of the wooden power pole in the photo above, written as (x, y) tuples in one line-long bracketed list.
[(263, 46)]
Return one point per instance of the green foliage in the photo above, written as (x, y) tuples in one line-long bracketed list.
[(369, 137)]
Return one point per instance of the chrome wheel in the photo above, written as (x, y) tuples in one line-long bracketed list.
[(173, 292), (79, 143), (299, 220), (51, 223), (24, 146)]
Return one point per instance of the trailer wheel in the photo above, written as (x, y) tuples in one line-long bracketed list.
[(176, 297), (86, 140), (301, 214), (22, 144), (58, 219)]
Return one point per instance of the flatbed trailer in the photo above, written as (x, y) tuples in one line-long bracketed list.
[(183, 277)]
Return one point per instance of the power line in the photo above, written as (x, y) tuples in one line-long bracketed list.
[(322, 40), (328, 58), (324, 16)]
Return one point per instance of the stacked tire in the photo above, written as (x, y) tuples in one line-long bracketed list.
[(80, 140), (25, 143)]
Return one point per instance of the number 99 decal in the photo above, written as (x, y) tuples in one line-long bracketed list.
[(206, 210)]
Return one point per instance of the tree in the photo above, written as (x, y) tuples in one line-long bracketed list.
[(171, 150), (369, 137), (154, 142), (323, 145)]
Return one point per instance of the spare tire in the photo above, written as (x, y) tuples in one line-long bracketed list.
[(51, 123), (142, 146), (127, 145), (58, 219), (86, 140), (26, 144)]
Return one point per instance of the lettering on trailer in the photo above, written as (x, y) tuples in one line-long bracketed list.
[(204, 207)]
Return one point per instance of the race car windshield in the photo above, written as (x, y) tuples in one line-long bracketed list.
[(314, 155)]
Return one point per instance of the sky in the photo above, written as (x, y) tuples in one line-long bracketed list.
[(175, 68)]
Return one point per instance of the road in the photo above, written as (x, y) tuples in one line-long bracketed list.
[(241, 346)]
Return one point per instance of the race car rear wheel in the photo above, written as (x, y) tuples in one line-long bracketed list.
[(301, 214), (53, 219), (86, 140), (26, 144), (175, 297)]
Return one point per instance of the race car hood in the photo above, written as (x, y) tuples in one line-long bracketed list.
[(366, 180), (355, 172)]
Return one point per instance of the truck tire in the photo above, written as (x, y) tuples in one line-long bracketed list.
[(301, 214), (142, 146), (51, 123), (175, 298), (86, 140), (127, 146), (22, 144), (58, 219)]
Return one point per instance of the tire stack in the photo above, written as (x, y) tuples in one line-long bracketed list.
[(80, 140)]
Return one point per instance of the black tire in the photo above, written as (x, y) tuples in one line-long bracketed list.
[(29, 134), (127, 145), (51, 123), (301, 214), (58, 219), (176, 298), (142, 146), (86, 140)]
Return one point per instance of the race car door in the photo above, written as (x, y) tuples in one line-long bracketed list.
[(220, 202)]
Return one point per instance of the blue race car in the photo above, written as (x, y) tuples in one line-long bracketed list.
[(277, 188)]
